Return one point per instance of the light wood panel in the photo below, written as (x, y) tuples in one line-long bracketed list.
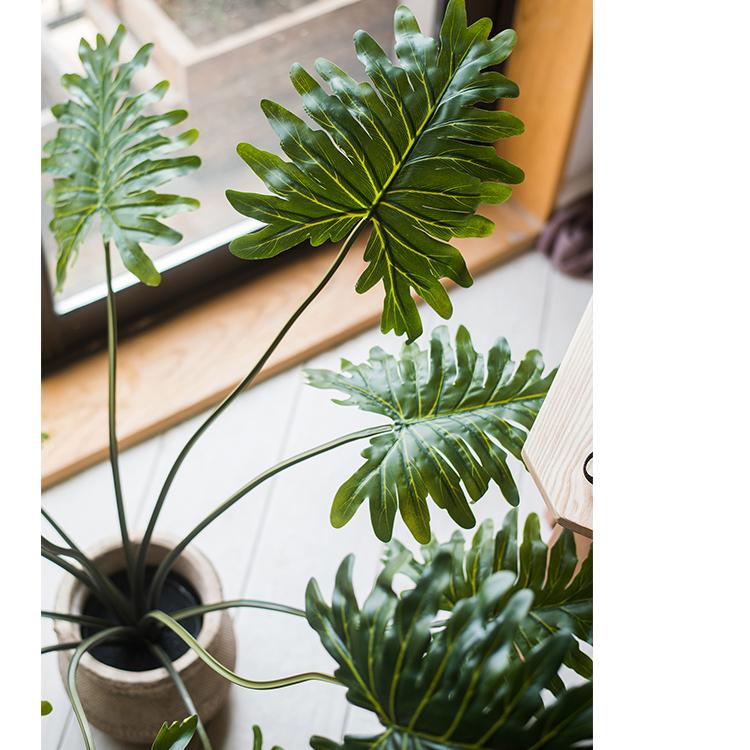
[(562, 436), (550, 64), (181, 367)]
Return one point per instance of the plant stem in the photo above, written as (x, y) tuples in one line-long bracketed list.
[(56, 526), (218, 667), (244, 383), (94, 622), (114, 457), (88, 564), (232, 603), (70, 683), (60, 647), (182, 690), (168, 561), (77, 573), (107, 592)]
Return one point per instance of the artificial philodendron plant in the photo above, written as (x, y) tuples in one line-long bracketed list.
[(177, 735), (408, 156), (562, 584), (462, 657), (107, 157), (454, 419), (452, 682)]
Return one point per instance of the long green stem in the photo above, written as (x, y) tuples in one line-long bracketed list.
[(88, 565), (93, 622), (168, 561), (61, 532), (70, 683), (114, 457), (182, 690), (77, 573), (244, 383), (219, 668), (60, 647), (236, 603), (105, 590)]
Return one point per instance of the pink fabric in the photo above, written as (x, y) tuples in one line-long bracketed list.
[(568, 238)]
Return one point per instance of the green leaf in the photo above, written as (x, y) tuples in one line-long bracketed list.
[(563, 599), (455, 420), (408, 154), (107, 158), (46, 708), (177, 735), (455, 686), (258, 739)]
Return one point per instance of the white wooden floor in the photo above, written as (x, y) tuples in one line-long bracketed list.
[(276, 538)]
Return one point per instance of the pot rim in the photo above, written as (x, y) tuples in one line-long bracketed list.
[(192, 564)]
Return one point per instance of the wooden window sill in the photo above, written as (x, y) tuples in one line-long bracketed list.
[(179, 368)]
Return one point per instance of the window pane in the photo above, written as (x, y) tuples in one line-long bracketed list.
[(222, 58)]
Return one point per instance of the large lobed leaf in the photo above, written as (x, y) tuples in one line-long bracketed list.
[(563, 592), (178, 734), (454, 422), (258, 739), (107, 157), (408, 154), (454, 686)]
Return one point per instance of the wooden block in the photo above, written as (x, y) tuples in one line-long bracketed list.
[(562, 439)]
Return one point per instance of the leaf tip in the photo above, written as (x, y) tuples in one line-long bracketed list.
[(152, 279)]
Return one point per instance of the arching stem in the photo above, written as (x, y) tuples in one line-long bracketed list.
[(70, 683), (228, 674), (60, 647), (237, 603), (114, 455), (244, 383), (92, 622), (105, 590), (169, 560), (160, 654), (77, 573)]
